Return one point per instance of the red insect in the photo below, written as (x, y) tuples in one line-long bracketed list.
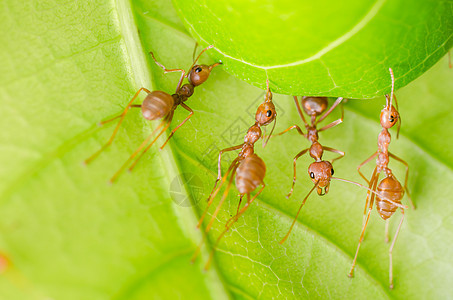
[(321, 171), (389, 187), (160, 105), (248, 167)]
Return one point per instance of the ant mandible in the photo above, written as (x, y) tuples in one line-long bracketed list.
[(389, 187), (158, 105), (320, 171), (248, 167)]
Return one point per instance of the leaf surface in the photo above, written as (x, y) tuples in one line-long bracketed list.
[(69, 235), (323, 48)]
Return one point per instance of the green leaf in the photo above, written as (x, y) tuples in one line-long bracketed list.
[(328, 48), (69, 235)]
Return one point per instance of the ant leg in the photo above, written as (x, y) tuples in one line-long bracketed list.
[(387, 230), (177, 127), (168, 120), (364, 163), (351, 273), (219, 168), (239, 204), (121, 116), (334, 123), (297, 215), (237, 211), (299, 110), (197, 251), (292, 127), (391, 250), (246, 206), (224, 196), (215, 191), (118, 173), (372, 186), (183, 72), (330, 110), (294, 164), (405, 179), (102, 123), (334, 151)]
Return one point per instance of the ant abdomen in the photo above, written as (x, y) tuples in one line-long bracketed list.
[(250, 174), (156, 105), (391, 189), (314, 106)]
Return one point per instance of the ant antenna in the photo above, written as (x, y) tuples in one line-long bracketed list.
[(194, 51), (202, 51), (272, 130), (393, 86), (370, 190), (297, 215), (399, 118)]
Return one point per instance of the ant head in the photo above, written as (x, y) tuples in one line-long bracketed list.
[(314, 106), (265, 113), (253, 134), (186, 90), (199, 74), (389, 116), (320, 172)]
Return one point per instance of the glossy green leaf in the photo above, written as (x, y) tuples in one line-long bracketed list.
[(70, 235), (325, 48)]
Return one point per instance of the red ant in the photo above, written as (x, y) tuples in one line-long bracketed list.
[(320, 171), (389, 187), (158, 105), (248, 167)]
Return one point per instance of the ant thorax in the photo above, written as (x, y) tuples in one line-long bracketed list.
[(316, 151), (253, 134), (312, 133), (384, 140)]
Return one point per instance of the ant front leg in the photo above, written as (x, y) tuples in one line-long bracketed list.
[(121, 116), (294, 165), (405, 179), (299, 110), (334, 123), (334, 151), (338, 101), (183, 72), (293, 127), (364, 163), (177, 127)]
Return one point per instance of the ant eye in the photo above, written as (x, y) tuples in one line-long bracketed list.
[(312, 175), (198, 70), (269, 113), (331, 171)]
